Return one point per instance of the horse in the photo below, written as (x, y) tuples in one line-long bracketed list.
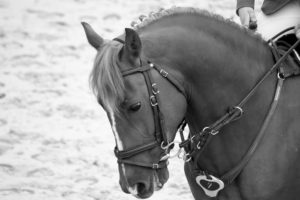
[(188, 66)]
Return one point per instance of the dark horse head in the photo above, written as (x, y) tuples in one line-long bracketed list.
[(170, 68), (126, 100)]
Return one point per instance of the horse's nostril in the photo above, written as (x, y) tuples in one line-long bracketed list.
[(141, 188)]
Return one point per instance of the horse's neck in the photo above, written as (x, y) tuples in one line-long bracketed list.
[(222, 80), (216, 76)]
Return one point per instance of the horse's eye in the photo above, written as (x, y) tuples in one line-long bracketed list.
[(135, 107)]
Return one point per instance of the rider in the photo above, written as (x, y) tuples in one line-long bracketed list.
[(276, 16), (278, 11)]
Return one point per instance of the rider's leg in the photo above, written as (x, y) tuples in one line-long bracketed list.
[(270, 25)]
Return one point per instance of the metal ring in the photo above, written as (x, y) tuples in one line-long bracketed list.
[(163, 146), (214, 132), (241, 112), (211, 131), (239, 108), (181, 154), (192, 138), (177, 152), (280, 76), (151, 102), (154, 91), (187, 157), (198, 145), (204, 129)]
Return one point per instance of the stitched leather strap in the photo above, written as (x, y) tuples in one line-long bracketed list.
[(133, 151), (159, 165)]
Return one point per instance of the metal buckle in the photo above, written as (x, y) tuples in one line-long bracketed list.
[(170, 154), (210, 130), (163, 73), (198, 145), (153, 101), (187, 157), (155, 166), (154, 89), (207, 182), (241, 112)]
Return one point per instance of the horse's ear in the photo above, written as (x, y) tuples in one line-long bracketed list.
[(133, 44), (93, 38)]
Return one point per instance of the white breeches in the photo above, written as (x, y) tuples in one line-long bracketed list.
[(270, 25)]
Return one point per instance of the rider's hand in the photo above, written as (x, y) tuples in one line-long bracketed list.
[(246, 15), (297, 31)]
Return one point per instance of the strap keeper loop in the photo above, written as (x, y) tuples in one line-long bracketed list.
[(163, 73)]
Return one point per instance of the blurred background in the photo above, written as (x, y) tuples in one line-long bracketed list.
[(55, 141)]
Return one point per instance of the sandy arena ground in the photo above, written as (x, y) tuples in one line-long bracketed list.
[(55, 141)]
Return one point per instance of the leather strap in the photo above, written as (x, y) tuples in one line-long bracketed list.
[(133, 151), (159, 165), (228, 177), (136, 70)]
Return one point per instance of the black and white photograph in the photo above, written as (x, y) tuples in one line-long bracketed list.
[(157, 99)]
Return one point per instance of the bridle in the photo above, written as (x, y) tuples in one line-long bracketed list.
[(161, 139)]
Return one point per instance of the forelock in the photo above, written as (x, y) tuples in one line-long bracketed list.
[(106, 79)]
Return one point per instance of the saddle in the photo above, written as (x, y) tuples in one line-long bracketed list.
[(291, 66), (278, 27)]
